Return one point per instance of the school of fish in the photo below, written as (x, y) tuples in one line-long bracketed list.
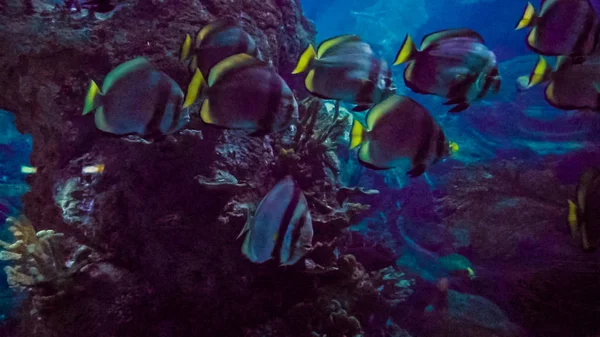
[(241, 91)]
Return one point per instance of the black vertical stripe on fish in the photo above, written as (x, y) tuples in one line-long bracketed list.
[(579, 47), (441, 143), (285, 220), (274, 95), (425, 144), (486, 87), (365, 95), (460, 89), (178, 109), (164, 89)]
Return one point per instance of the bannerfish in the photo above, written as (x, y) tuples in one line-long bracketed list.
[(215, 42), (563, 27), (243, 92), (137, 99), (454, 64), (400, 133), (584, 213), (571, 85), (345, 68), (281, 227)]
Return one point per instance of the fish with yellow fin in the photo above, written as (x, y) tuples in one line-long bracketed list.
[(281, 228), (571, 85), (243, 92), (584, 213), (137, 99), (562, 27), (453, 63), (400, 133), (215, 42), (345, 68)]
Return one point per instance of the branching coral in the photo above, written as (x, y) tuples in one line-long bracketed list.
[(38, 262)]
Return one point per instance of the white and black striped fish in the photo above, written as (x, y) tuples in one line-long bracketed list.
[(281, 228), (137, 99)]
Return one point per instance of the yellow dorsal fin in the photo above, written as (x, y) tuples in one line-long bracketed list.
[(207, 29), (123, 69), (528, 17), (381, 109), (92, 100), (406, 52), (334, 41), (357, 134), (205, 112), (539, 73), (449, 34), (305, 59), (186, 46), (228, 64), (194, 88)]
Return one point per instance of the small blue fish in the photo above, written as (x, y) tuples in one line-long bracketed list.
[(281, 227)]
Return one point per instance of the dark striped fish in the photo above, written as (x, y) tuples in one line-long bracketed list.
[(572, 85), (584, 213), (345, 68), (281, 228), (136, 98), (400, 133), (214, 43), (454, 64), (563, 27), (245, 93)]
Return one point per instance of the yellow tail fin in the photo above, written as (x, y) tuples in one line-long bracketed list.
[(305, 59), (194, 88), (407, 51), (528, 18), (572, 217), (92, 100), (186, 47), (357, 134), (540, 72)]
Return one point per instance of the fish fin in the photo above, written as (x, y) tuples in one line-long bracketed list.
[(357, 134), (549, 93), (382, 108), (334, 41), (459, 107), (309, 81), (194, 88), (453, 101), (529, 17), (572, 218), (193, 64), (447, 34), (186, 47), (121, 70), (228, 64), (305, 60), (417, 170), (407, 52), (207, 29), (361, 107), (93, 98), (584, 239), (363, 152), (247, 224), (540, 73), (205, 112)]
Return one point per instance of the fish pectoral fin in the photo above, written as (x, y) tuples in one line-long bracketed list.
[(417, 170), (362, 107), (93, 98), (459, 107), (572, 218), (357, 134), (205, 112)]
